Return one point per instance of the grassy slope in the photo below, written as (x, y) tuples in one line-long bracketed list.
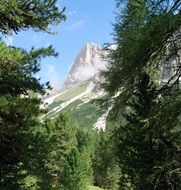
[(85, 114), (70, 93)]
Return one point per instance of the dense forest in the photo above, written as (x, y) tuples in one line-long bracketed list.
[(140, 148)]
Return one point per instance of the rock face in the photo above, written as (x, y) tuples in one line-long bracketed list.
[(87, 64), (80, 88)]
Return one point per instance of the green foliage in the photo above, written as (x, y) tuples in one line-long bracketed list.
[(134, 145), (73, 175), (89, 112), (94, 188), (146, 35), (20, 153), (61, 140), (86, 114), (64, 166), (106, 169), (19, 15), (18, 68), (147, 38), (52, 142), (19, 110), (86, 139)]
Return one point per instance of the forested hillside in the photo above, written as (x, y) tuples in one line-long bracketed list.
[(59, 146)]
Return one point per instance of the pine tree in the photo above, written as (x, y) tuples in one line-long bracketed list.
[(86, 139), (106, 169), (20, 15), (19, 110), (61, 141), (74, 176), (147, 39), (134, 139)]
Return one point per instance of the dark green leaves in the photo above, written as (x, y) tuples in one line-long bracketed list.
[(19, 15), (145, 69)]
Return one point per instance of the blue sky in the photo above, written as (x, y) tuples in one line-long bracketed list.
[(87, 21)]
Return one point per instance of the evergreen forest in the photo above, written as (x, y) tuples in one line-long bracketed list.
[(140, 149)]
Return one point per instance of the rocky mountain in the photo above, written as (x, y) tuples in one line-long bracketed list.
[(88, 63), (81, 90)]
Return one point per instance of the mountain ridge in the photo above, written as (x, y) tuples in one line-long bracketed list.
[(88, 63), (81, 89)]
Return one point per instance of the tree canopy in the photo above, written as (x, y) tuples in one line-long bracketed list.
[(144, 69), (19, 87), (17, 15)]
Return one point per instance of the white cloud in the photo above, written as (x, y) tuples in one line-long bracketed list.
[(8, 40), (76, 25), (53, 77)]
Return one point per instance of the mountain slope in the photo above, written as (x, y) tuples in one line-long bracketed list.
[(81, 89)]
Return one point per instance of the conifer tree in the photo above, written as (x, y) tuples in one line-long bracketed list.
[(74, 176), (106, 169), (86, 139), (19, 110), (61, 141), (20, 15), (147, 39), (135, 144)]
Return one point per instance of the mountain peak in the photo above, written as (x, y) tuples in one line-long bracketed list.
[(92, 44), (88, 63)]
